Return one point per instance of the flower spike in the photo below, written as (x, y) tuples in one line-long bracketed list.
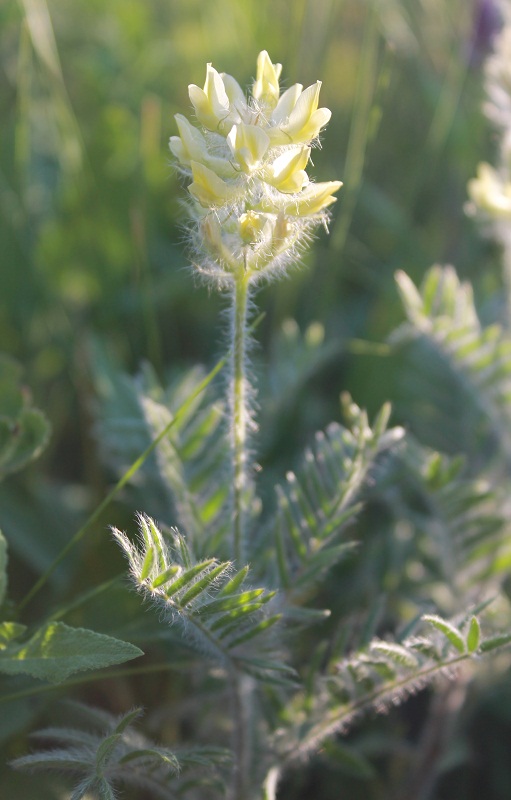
[(252, 202)]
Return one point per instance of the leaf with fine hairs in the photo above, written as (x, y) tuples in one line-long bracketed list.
[(316, 505), (56, 651), (476, 360), (377, 676), (217, 611), (111, 753)]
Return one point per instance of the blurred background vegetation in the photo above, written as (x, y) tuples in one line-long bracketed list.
[(92, 255)]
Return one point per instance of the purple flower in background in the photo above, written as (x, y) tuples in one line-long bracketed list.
[(487, 22)]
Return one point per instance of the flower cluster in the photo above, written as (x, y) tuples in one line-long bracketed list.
[(490, 190), (490, 193), (251, 197)]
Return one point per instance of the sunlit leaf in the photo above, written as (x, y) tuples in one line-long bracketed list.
[(56, 651), (448, 629)]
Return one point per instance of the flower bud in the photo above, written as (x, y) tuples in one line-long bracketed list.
[(251, 226)]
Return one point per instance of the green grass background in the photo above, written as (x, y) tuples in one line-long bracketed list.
[(91, 242)]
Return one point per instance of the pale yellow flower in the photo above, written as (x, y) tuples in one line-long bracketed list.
[(490, 192), (210, 190), (305, 119), (248, 144), (287, 173), (235, 95), (286, 103), (266, 87), (211, 104), (190, 145), (312, 200)]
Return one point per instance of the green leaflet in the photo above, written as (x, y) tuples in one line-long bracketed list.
[(187, 577), (473, 636), (106, 749), (236, 601), (268, 671), (323, 559), (152, 541), (448, 629), (164, 577), (22, 439), (395, 653), (152, 753), (56, 651), (146, 566), (229, 622), (500, 640), (203, 584), (256, 630), (3, 568), (235, 582)]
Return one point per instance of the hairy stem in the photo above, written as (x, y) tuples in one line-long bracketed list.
[(338, 719), (239, 412)]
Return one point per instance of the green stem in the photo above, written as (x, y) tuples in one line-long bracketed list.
[(180, 412), (239, 412), (338, 719), (240, 416)]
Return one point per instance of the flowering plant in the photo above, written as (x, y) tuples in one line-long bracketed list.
[(252, 207), (263, 615)]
